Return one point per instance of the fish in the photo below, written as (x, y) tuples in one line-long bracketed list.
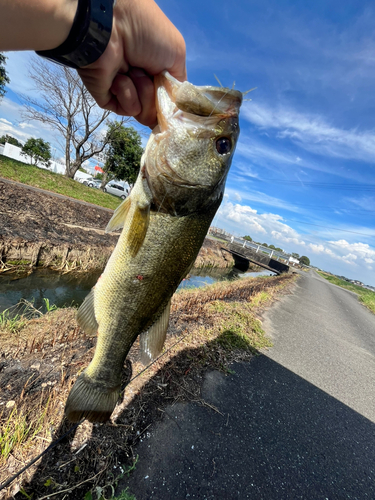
[(164, 222)]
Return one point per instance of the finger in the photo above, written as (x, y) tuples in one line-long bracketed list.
[(146, 95), (178, 70), (98, 82), (126, 94)]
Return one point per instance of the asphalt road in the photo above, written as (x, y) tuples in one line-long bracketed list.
[(298, 420)]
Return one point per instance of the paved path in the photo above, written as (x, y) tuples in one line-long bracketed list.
[(298, 420)]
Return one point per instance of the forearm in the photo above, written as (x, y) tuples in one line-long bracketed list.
[(35, 24)]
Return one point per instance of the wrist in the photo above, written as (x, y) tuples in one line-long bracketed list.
[(36, 25)]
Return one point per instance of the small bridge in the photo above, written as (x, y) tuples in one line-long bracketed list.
[(272, 260)]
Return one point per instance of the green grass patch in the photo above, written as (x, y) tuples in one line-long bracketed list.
[(237, 327), (367, 297), (57, 183)]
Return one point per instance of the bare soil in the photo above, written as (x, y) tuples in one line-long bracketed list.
[(38, 228)]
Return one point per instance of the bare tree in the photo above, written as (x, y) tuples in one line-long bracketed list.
[(67, 107)]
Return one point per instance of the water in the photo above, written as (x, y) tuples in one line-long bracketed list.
[(70, 289), (60, 289)]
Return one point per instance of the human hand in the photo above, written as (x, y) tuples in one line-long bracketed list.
[(143, 43)]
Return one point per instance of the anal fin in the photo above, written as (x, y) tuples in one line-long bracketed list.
[(152, 341)]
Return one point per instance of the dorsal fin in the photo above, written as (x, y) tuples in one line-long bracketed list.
[(152, 341)]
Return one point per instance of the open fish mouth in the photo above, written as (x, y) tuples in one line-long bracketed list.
[(201, 101)]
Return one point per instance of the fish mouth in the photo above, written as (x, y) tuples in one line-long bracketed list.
[(200, 101)]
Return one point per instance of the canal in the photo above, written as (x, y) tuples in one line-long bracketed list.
[(70, 289)]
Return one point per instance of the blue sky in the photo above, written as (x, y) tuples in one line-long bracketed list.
[(303, 176)]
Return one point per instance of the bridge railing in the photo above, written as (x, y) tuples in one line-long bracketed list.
[(259, 248)]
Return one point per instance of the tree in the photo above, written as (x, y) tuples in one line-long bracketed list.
[(248, 238), (4, 78), (123, 153), (264, 245), (68, 108), (296, 255), (11, 140), (38, 150), (304, 260)]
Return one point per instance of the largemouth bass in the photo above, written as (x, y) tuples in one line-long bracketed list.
[(165, 220)]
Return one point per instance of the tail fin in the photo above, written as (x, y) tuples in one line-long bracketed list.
[(91, 400)]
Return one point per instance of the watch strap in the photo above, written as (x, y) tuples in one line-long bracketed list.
[(88, 37)]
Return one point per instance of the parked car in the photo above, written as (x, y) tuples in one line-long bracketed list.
[(117, 190), (83, 178), (94, 184)]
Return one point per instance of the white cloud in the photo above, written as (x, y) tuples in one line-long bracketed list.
[(247, 220), (260, 197), (312, 132), (7, 122), (316, 248)]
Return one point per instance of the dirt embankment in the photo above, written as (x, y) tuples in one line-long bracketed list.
[(41, 229)]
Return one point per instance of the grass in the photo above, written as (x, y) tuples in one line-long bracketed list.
[(57, 183), (367, 297), (22, 426)]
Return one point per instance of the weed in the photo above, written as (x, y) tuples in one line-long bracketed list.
[(11, 323), (49, 307), (20, 427)]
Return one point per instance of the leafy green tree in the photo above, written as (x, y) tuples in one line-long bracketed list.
[(304, 260), (123, 153), (4, 78), (264, 245), (11, 140), (39, 151), (248, 238), (295, 255)]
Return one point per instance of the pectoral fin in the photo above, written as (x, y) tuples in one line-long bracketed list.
[(138, 228), (139, 214), (86, 315), (152, 341), (118, 218)]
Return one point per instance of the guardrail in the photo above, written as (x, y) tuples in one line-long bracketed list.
[(259, 248)]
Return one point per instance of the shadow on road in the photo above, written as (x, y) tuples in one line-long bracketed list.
[(276, 437), (279, 437)]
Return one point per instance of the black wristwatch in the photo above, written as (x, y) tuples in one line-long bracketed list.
[(88, 37)]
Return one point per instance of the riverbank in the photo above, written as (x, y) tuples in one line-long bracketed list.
[(209, 328), (39, 229), (365, 296)]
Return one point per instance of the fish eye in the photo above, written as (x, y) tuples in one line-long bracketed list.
[(223, 145)]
